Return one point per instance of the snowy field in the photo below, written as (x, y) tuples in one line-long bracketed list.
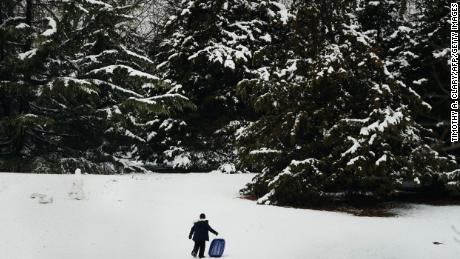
[(149, 216)]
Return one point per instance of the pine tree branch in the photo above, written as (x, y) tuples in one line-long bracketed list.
[(45, 6), (5, 143), (54, 133)]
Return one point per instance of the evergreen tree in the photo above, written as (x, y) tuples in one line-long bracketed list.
[(342, 125), (389, 25), (18, 127), (431, 72), (95, 96), (209, 47)]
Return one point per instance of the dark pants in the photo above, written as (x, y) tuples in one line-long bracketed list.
[(199, 247)]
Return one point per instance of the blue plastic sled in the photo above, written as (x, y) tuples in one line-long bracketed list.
[(217, 247)]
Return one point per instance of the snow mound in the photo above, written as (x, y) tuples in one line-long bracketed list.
[(46, 200), (226, 168), (42, 198)]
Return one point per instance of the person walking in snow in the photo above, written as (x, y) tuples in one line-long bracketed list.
[(200, 233)]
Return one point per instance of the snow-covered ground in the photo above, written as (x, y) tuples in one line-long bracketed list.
[(149, 216)]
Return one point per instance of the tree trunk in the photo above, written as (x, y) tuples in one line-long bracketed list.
[(2, 46), (29, 7), (29, 12)]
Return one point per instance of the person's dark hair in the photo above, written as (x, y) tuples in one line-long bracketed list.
[(202, 216)]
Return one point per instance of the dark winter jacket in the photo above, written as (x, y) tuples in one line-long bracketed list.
[(200, 231)]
